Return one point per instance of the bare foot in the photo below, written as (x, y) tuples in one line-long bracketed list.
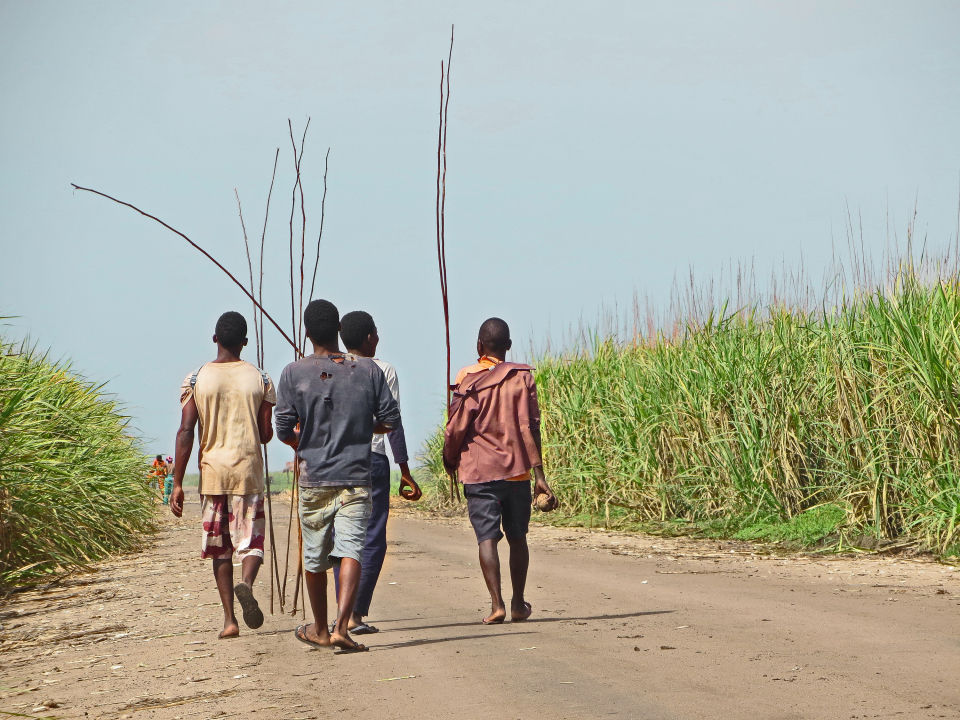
[(519, 613), (345, 644), (308, 634), (230, 630), (496, 617)]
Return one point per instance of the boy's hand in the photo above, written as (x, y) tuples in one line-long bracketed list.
[(451, 470), (409, 490), (540, 487), (176, 501)]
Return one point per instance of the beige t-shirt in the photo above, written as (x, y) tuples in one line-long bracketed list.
[(228, 398)]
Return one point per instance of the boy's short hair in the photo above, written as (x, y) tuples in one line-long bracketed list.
[(355, 327), (322, 320), (495, 334), (231, 329)]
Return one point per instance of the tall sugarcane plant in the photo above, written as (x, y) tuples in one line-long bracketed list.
[(73, 479)]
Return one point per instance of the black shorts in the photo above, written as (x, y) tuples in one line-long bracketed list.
[(490, 503)]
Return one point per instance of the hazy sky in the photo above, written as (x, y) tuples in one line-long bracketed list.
[(594, 149)]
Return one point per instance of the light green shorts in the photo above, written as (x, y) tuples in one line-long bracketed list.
[(334, 525)]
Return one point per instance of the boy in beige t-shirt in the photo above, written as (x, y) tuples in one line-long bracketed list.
[(232, 401)]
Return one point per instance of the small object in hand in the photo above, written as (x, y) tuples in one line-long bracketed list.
[(545, 503)]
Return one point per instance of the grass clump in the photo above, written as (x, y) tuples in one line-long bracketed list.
[(73, 481), (808, 528), (771, 423)]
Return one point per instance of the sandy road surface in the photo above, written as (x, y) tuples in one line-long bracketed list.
[(623, 627)]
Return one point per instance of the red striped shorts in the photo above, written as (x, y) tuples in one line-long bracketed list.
[(232, 524)]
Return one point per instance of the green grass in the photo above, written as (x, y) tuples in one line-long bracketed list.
[(770, 423), (73, 481)]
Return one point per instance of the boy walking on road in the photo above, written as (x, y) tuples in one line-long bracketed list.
[(232, 400), (338, 400), (359, 335), (492, 441)]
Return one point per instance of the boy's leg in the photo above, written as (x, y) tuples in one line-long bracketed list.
[(484, 509), (519, 563), (223, 574), (217, 546), (316, 583), (350, 522), (247, 530), (490, 567), (346, 599), (317, 509), (375, 545), (516, 501)]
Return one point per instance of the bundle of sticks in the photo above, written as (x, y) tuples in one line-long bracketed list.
[(295, 338)]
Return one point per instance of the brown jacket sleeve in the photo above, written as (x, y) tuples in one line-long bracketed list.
[(459, 421), (530, 425)]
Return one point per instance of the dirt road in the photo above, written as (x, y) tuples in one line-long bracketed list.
[(623, 627)]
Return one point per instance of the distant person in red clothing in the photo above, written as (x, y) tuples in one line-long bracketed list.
[(492, 442)]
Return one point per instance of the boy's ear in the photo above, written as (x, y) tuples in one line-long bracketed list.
[(245, 341), (215, 339), (509, 344)]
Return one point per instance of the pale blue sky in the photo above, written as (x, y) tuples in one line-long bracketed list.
[(595, 149)]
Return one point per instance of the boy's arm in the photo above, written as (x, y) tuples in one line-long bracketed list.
[(184, 447), (386, 414), (264, 424), (408, 490), (265, 414), (540, 486), (458, 424), (285, 414)]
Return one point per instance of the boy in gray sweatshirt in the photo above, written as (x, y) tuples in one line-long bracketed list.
[(339, 401)]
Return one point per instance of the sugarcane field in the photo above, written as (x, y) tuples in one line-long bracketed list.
[(672, 294)]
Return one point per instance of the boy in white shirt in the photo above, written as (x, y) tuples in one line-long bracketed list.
[(359, 335)]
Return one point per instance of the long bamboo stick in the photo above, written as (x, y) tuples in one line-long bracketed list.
[(441, 203), (204, 252), (261, 362), (323, 212)]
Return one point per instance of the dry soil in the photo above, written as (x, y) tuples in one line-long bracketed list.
[(623, 627)]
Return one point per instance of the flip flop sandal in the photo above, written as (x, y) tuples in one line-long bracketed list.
[(252, 614), (364, 629), (301, 634), (354, 648)]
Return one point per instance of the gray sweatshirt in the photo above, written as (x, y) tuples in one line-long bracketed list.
[(337, 400)]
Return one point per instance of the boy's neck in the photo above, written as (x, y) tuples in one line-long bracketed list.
[(225, 355), (323, 349), (358, 353)]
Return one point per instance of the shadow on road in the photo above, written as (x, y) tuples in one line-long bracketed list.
[(586, 618), (425, 641)]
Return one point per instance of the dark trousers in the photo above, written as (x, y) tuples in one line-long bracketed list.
[(375, 546)]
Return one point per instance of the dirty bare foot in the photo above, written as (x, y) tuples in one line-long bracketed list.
[(519, 613), (496, 617), (345, 644), (230, 630)]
